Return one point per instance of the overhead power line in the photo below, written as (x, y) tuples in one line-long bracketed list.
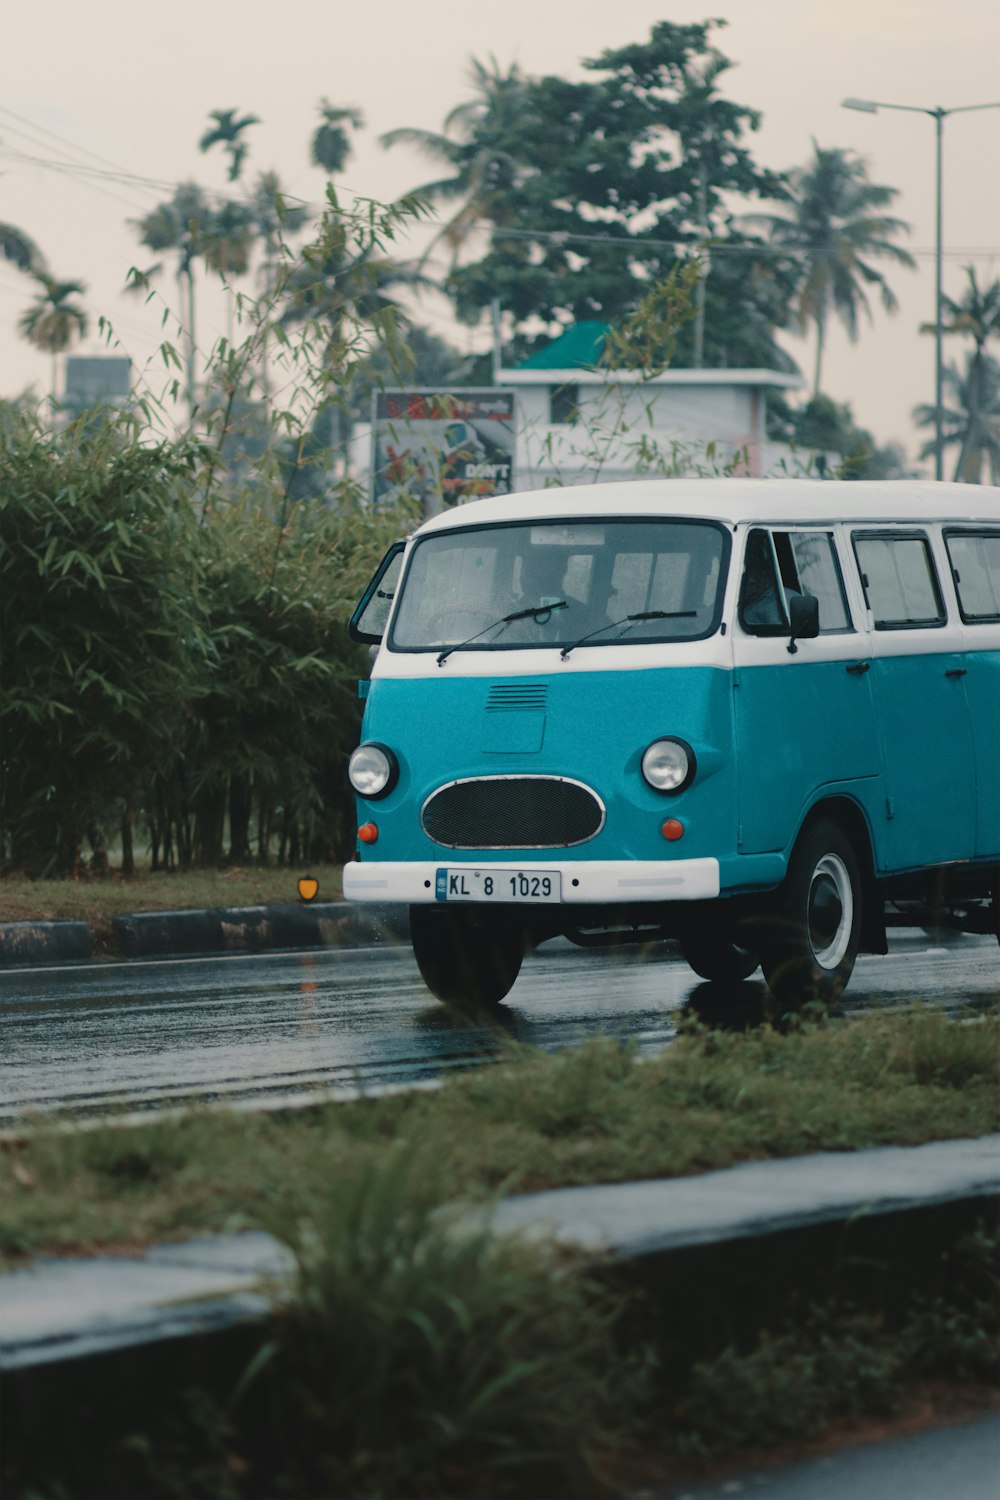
[(44, 130), (635, 243), (80, 169)]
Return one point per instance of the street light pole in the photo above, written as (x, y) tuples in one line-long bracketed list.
[(938, 332), (872, 107)]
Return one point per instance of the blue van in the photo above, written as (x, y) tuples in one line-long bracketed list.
[(759, 717)]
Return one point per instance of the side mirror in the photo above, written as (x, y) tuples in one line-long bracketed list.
[(803, 615)]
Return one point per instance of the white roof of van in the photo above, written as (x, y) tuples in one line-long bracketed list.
[(815, 501)]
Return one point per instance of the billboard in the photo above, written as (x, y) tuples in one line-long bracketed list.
[(440, 447)]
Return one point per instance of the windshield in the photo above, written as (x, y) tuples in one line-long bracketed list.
[(488, 588)]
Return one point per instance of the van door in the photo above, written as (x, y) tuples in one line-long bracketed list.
[(918, 682), (804, 718), (974, 562)]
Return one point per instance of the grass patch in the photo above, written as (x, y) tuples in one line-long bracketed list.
[(844, 1362), (597, 1113), (97, 899)]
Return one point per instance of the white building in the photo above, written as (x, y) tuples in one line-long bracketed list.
[(572, 422)]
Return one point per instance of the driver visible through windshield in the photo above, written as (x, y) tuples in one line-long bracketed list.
[(585, 583)]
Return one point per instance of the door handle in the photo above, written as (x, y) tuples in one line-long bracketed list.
[(858, 668), (957, 672)]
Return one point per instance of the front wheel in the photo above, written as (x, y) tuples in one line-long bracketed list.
[(809, 939), (716, 958), (465, 956)]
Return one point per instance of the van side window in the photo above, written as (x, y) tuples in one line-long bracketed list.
[(899, 580), (975, 567), (371, 616), (762, 609), (805, 562), (812, 568)]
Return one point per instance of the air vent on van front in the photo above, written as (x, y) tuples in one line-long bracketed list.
[(517, 696)]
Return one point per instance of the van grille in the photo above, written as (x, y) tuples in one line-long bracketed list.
[(512, 812)]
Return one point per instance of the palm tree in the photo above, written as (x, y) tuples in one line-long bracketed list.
[(337, 286), (53, 321), (978, 313), (342, 290), (482, 173), (971, 420), (227, 132), (330, 146), (226, 239), (273, 219), (180, 225), (833, 230), (20, 249)]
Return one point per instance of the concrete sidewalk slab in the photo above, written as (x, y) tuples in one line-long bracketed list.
[(961, 1462), (56, 1310)]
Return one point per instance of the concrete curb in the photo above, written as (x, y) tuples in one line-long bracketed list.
[(247, 929), (59, 1310), (44, 942), (757, 1198)]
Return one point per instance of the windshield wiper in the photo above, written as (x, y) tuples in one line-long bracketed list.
[(519, 614), (649, 614)]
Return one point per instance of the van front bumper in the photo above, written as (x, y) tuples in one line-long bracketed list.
[(621, 881)]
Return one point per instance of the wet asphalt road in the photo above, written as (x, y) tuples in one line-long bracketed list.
[(87, 1039)]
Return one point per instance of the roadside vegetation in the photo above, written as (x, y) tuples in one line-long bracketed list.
[(176, 578), (597, 1113), (414, 1354), (98, 899)]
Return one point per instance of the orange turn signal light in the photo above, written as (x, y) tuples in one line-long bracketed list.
[(673, 829), (368, 833)]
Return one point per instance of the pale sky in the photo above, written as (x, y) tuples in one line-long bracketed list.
[(115, 85)]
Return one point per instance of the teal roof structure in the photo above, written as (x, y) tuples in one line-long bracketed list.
[(579, 347)]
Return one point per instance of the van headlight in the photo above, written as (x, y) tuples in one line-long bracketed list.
[(373, 770), (668, 765)]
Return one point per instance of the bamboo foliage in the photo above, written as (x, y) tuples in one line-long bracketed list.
[(177, 673)]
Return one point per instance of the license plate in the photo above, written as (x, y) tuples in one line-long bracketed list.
[(465, 884)]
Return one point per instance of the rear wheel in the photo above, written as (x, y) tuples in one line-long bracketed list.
[(465, 956), (809, 939), (716, 958)]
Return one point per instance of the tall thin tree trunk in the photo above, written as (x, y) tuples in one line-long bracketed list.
[(191, 341), (264, 827), (128, 853), (98, 850), (239, 818), (264, 315), (699, 296), (965, 471), (209, 820), (167, 824), (818, 368)]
